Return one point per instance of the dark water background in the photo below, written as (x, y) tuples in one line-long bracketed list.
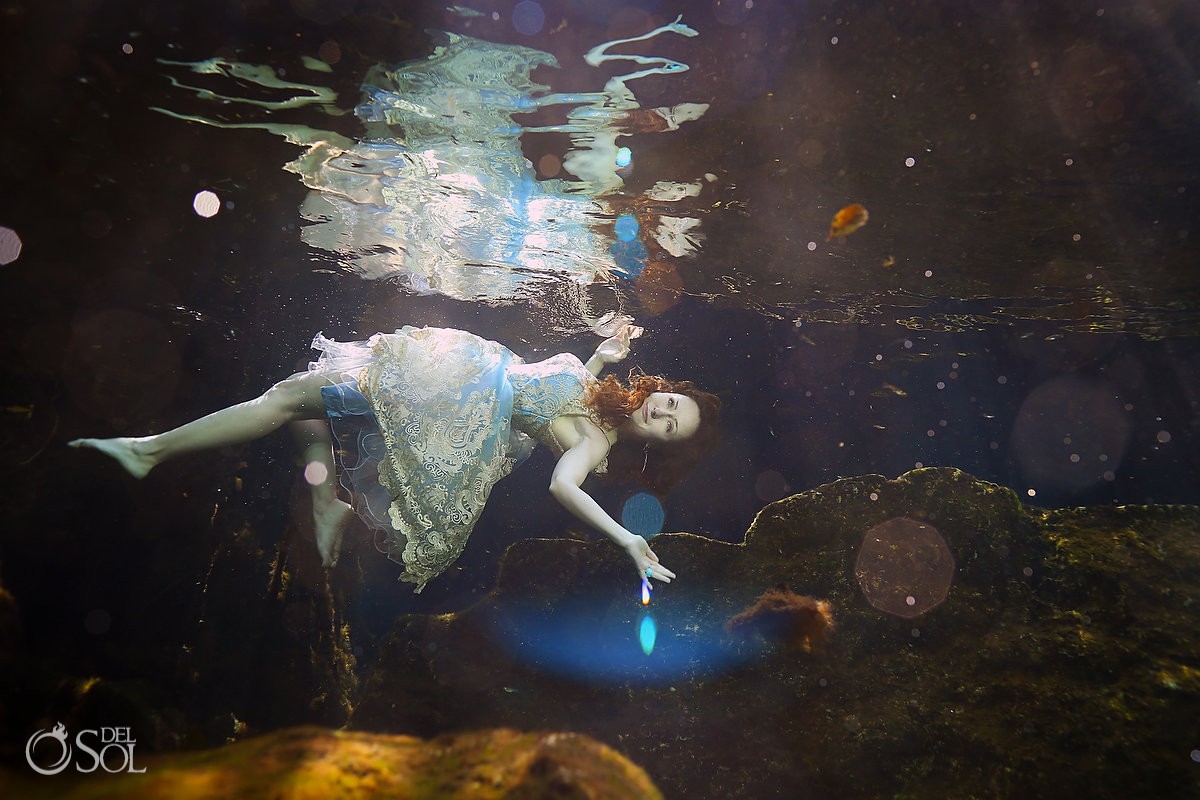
[(1051, 348)]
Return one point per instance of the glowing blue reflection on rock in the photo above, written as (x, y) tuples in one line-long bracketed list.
[(647, 634)]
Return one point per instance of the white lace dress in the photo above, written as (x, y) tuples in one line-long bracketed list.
[(427, 420)]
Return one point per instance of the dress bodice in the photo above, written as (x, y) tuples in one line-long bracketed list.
[(545, 390)]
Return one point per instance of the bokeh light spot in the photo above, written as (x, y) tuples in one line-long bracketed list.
[(626, 228), (10, 245), (528, 17), (1085, 409), (643, 514), (206, 203), (330, 52), (549, 165), (904, 567), (315, 473)]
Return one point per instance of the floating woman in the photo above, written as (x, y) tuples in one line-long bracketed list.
[(427, 420)]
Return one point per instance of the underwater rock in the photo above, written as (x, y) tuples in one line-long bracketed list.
[(310, 762), (1062, 661)]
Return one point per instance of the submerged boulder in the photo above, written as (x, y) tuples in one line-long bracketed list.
[(309, 762), (1056, 655)]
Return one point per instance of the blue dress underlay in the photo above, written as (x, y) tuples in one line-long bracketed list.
[(425, 421)]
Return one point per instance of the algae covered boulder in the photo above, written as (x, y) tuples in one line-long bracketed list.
[(317, 764), (974, 647)]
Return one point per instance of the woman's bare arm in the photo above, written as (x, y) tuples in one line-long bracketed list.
[(566, 486)]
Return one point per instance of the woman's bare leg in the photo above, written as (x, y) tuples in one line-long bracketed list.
[(330, 513), (293, 399)]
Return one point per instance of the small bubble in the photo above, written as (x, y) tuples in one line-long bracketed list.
[(910, 162), (1074, 458), (1076, 237), (874, 495), (994, 445), (1027, 572), (1109, 475), (943, 423), (127, 49), (941, 384), (971, 117), (928, 273), (1196, 755), (910, 600), (878, 357), (918, 464), (1002, 380), (916, 633), (822, 682), (1104, 456), (834, 40), (929, 433), (1066, 440), (1163, 437), (908, 344), (1031, 492), (1070, 161), (812, 246), (1129, 406)]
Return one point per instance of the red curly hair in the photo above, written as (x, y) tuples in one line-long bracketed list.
[(658, 467)]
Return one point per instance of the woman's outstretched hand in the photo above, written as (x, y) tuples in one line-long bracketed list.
[(616, 347), (646, 561)]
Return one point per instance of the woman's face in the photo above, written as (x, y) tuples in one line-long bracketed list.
[(665, 417)]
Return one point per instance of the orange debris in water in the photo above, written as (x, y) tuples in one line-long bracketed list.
[(782, 615), (847, 221)]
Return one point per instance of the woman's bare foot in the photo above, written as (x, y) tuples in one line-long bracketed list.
[(129, 452), (330, 521)]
